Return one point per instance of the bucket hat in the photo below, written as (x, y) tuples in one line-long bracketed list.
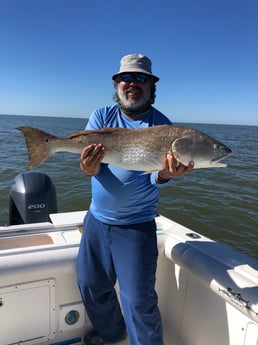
[(135, 63)]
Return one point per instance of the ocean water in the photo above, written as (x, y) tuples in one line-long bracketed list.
[(221, 203)]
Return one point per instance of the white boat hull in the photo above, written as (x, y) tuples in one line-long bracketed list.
[(208, 293)]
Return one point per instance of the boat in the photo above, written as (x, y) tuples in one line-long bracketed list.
[(208, 293)]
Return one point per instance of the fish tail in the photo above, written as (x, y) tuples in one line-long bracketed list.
[(38, 145)]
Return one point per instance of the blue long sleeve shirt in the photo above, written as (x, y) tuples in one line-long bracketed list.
[(122, 196)]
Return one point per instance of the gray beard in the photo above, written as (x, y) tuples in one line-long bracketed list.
[(133, 105)]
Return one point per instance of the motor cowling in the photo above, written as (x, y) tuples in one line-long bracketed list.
[(32, 198)]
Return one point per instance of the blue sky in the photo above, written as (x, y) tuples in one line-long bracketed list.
[(57, 56)]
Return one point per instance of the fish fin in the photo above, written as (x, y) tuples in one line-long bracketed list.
[(78, 134), (170, 160), (98, 131), (37, 145)]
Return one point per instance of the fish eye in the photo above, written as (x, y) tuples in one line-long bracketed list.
[(215, 146)]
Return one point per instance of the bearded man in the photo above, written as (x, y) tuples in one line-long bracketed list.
[(119, 240)]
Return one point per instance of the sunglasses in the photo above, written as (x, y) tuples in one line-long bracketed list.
[(138, 77)]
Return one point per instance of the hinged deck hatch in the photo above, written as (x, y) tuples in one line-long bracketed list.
[(27, 312)]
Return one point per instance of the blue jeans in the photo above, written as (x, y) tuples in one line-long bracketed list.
[(129, 254)]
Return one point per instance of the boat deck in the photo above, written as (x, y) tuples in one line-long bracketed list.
[(198, 282)]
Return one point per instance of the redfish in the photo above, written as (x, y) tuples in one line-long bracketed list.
[(132, 149)]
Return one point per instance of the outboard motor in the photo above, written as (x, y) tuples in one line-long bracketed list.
[(32, 198)]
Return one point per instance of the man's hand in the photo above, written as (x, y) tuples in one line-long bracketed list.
[(172, 169), (91, 158)]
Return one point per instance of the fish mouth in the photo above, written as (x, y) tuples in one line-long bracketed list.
[(216, 161), (226, 152)]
